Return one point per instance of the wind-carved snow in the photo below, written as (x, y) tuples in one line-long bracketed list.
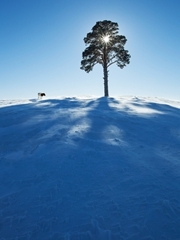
[(113, 135), (80, 128), (90, 169), (136, 107)]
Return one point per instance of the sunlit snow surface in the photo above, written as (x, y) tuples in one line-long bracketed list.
[(90, 168)]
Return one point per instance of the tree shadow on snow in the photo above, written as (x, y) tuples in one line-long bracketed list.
[(91, 169)]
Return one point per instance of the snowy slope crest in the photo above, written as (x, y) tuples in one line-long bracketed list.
[(88, 168)]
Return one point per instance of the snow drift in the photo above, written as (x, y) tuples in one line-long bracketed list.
[(90, 168)]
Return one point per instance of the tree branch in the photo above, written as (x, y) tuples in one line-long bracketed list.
[(112, 63), (113, 57)]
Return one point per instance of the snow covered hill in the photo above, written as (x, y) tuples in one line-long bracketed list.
[(90, 169)]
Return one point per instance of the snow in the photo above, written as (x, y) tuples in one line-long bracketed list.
[(82, 168)]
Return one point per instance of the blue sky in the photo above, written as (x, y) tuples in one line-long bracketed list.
[(41, 45)]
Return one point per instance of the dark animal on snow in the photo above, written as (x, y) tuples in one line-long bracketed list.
[(40, 95)]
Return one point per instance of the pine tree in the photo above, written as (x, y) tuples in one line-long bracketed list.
[(106, 47)]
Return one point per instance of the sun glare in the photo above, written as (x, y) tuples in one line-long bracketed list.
[(106, 39)]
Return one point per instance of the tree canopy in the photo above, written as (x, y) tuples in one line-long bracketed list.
[(106, 47)]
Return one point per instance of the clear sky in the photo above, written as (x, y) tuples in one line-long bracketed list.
[(41, 45)]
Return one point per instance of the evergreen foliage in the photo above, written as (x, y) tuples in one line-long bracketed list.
[(106, 47)]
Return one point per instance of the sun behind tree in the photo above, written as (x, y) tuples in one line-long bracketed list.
[(105, 47)]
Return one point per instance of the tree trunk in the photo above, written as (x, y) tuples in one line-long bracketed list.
[(106, 92)]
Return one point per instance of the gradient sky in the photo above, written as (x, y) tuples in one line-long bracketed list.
[(41, 45)]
